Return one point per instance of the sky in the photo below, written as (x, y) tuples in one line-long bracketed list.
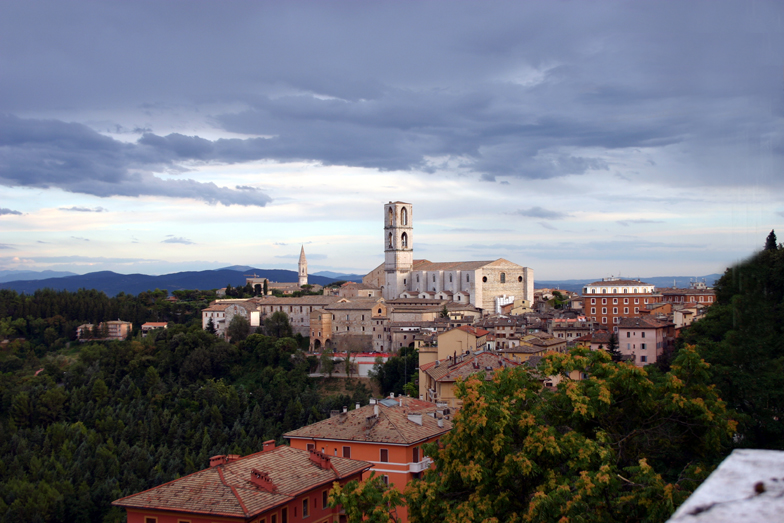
[(581, 139)]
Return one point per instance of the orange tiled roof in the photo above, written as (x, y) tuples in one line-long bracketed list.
[(471, 364), (391, 426), (227, 490)]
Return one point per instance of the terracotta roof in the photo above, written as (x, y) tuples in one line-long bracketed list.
[(155, 324), (354, 303), (302, 300), (467, 365), (475, 331), (686, 292), (227, 490), (614, 283), (643, 322), (391, 426), (216, 307)]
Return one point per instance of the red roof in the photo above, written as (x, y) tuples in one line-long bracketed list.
[(230, 490), (476, 331)]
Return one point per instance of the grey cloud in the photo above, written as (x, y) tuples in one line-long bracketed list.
[(80, 238), (74, 158), (539, 212), (8, 211), (626, 223), (548, 226), (83, 209), (780, 213), (511, 89), (181, 240), (6, 246)]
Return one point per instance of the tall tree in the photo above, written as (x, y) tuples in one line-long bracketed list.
[(623, 445), (612, 347), (770, 241), (238, 328), (277, 325)]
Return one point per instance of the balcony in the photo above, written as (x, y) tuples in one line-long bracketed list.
[(420, 466)]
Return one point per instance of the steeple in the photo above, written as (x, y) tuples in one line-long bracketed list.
[(303, 268)]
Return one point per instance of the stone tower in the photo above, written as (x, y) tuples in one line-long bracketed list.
[(303, 268), (398, 248)]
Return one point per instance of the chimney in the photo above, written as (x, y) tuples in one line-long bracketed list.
[(217, 460), (372, 401), (391, 394), (416, 418), (441, 423), (375, 409), (262, 480), (345, 409), (357, 406), (320, 459), (400, 400), (232, 457), (268, 445)]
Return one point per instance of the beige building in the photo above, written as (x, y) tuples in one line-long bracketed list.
[(221, 312), (488, 285)]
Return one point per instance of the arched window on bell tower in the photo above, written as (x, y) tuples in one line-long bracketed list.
[(391, 219), (390, 240), (404, 241), (404, 216)]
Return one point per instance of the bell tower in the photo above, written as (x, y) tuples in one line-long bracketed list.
[(303, 268), (398, 248)]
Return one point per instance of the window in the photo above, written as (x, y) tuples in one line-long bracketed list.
[(385, 479), (416, 454), (628, 334), (643, 359), (520, 279), (391, 217), (626, 310), (626, 301), (604, 310), (450, 278), (484, 279), (384, 456), (636, 310), (604, 301), (642, 346), (404, 240), (615, 301), (604, 320), (363, 317), (305, 508), (404, 216), (615, 310), (379, 311), (593, 310), (628, 345), (417, 278), (467, 277), (642, 334), (390, 240), (347, 450), (150, 520), (311, 446), (274, 518), (434, 278), (324, 498), (503, 277)]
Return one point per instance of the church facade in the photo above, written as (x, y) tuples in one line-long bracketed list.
[(487, 285)]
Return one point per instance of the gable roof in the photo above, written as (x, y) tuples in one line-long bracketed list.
[(467, 365), (227, 490), (392, 425)]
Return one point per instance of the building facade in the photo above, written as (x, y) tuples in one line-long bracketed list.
[(607, 301)]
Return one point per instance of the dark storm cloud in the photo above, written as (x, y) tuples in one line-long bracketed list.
[(8, 211), (74, 158), (538, 212), (529, 89)]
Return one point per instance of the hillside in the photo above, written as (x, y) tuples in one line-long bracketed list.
[(113, 283)]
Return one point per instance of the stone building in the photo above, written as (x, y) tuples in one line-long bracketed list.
[(487, 285)]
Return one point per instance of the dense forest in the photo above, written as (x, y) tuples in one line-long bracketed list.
[(84, 424)]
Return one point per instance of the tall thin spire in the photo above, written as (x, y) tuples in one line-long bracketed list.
[(303, 268)]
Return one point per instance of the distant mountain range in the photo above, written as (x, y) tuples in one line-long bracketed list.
[(6, 275), (112, 283), (681, 282)]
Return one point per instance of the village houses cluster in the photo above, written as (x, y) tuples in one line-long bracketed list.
[(463, 317)]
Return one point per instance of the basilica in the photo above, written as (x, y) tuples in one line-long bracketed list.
[(487, 285)]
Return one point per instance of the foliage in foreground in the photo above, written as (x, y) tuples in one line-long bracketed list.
[(627, 444), (370, 501)]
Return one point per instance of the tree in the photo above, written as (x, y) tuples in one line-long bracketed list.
[(211, 327), (444, 313), (624, 445), (277, 325), (370, 501), (238, 329), (742, 337), (326, 363), (266, 288), (612, 347), (770, 242)]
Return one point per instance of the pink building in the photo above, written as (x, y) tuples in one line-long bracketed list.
[(645, 339)]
